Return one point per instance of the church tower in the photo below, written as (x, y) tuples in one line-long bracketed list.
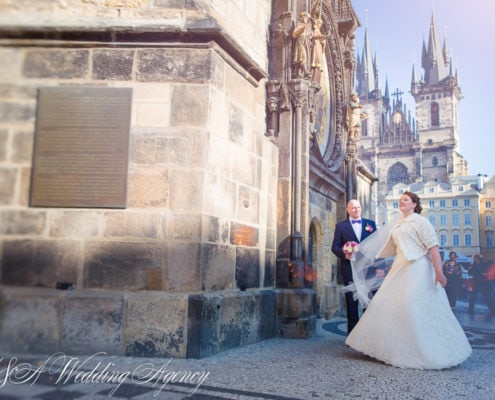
[(398, 147), (437, 96)]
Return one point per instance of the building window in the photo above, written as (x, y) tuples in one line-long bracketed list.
[(432, 219), (489, 241), (467, 239), (443, 240), (467, 202), (435, 114), (443, 220), (397, 174), (460, 189), (431, 190), (488, 204), (395, 205), (467, 219), (434, 162), (455, 239), (364, 127), (455, 203), (488, 220), (442, 203), (455, 219), (431, 203)]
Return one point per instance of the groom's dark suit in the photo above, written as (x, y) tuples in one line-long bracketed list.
[(345, 233)]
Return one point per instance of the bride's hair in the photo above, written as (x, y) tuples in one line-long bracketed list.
[(415, 199)]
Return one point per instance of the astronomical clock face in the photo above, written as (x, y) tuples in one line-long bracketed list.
[(397, 117), (322, 117)]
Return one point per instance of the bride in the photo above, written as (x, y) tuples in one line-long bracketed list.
[(409, 322)]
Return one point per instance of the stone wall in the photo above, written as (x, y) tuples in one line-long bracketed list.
[(201, 200), (325, 280)]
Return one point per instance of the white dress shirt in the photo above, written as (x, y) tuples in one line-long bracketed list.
[(357, 228)]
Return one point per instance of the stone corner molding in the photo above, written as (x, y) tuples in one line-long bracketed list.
[(153, 33)]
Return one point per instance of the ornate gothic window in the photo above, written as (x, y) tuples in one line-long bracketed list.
[(397, 174), (435, 114)]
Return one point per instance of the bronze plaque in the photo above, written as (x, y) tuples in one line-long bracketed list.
[(81, 147)]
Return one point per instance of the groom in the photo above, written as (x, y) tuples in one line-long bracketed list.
[(353, 229)]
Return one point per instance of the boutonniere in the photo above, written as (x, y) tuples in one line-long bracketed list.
[(368, 228), (350, 247)]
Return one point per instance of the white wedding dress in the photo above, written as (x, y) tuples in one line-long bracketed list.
[(409, 322)]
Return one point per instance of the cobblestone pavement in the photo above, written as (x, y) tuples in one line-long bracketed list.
[(321, 367)]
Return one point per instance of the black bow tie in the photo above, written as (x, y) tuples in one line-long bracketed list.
[(357, 221)]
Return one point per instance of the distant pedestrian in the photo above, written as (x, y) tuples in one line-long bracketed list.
[(481, 284), (453, 272)]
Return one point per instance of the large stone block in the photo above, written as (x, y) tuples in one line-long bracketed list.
[(268, 314), (184, 228), (270, 263), (183, 267), (220, 321), (74, 224), (202, 325), (154, 148), (244, 168), (4, 137), (30, 321), (23, 147), (211, 229), (135, 225), (219, 196), (58, 63), (247, 271), (121, 265), (240, 90), (155, 325), (190, 196), (167, 65), (217, 267), (40, 262), (236, 125), (112, 64), (231, 321), (296, 303), (251, 318), (248, 205), (7, 191), (16, 112), (182, 146), (24, 186), (243, 235), (148, 188), (190, 105), (92, 322), (23, 222)]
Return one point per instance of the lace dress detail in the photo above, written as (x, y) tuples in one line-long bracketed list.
[(409, 323)]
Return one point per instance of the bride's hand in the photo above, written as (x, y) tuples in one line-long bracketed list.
[(441, 279)]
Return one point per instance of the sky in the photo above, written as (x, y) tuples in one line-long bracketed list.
[(396, 30)]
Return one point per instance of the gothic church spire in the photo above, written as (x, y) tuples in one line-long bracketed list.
[(433, 58)]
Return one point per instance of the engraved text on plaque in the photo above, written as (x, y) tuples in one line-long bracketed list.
[(81, 147)]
